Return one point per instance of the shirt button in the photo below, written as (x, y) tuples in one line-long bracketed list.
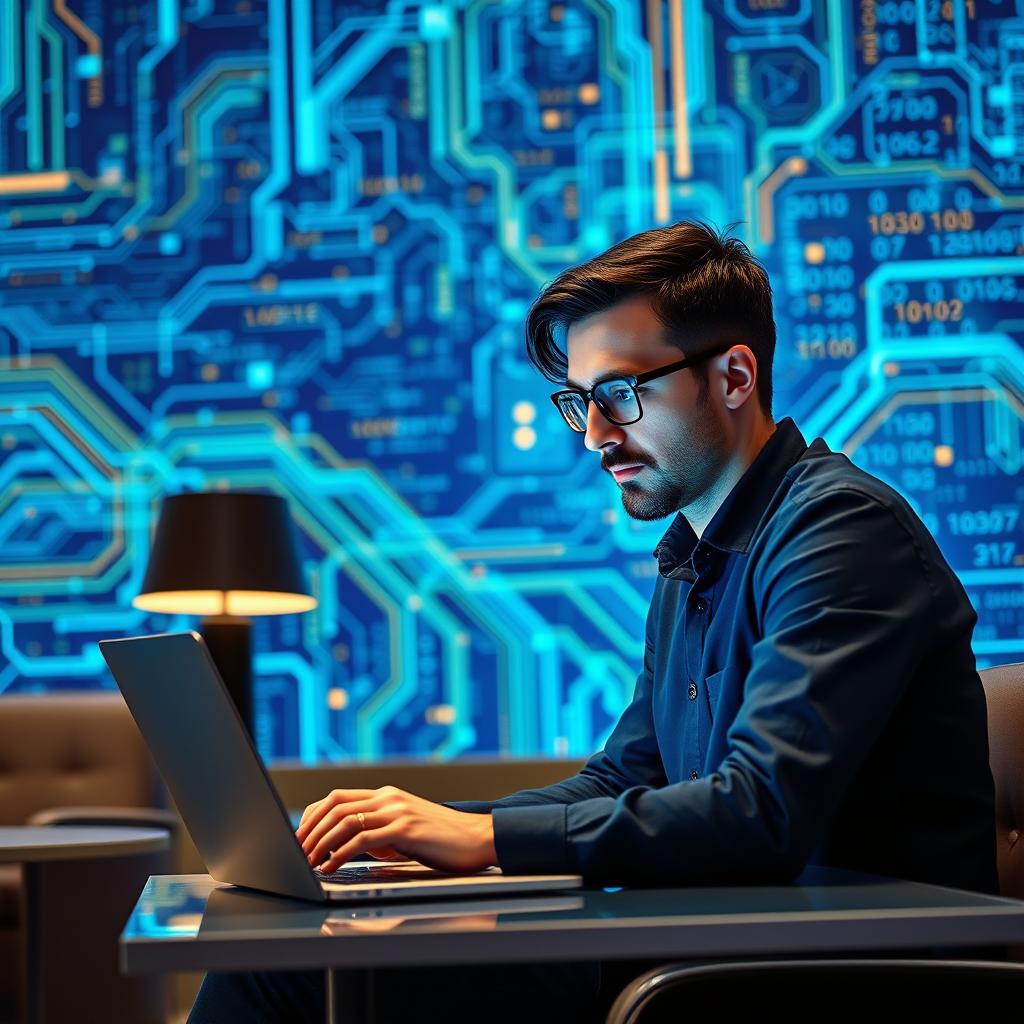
[(701, 606), (694, 775), (692, 691)]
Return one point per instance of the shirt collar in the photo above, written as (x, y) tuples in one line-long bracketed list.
[(732, 526)]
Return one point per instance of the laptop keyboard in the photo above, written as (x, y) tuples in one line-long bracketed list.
[(391, 871), (362, 874)]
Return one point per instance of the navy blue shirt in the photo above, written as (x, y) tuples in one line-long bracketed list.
[(808, 695)]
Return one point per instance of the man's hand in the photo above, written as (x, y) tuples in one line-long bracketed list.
[(396, 825)]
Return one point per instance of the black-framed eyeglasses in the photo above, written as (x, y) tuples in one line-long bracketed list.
[(617, 397)]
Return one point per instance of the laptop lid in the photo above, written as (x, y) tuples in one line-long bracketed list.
[(205, 754)]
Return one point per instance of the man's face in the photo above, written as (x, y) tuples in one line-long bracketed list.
[(680, 441)]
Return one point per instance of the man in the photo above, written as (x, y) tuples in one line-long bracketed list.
[(808, 691)]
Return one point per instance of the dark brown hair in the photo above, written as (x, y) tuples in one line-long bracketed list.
[(704, 286)]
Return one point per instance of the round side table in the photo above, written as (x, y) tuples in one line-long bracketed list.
[(80, 884)]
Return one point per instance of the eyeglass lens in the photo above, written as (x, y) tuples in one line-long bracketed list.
[(615, 398)]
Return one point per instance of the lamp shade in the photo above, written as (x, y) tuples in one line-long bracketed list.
[(225, 553)]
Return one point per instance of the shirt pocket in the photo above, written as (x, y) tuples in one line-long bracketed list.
[(723, 694), (706, 712), (713, 687)]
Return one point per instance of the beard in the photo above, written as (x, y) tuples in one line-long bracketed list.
[(695, 459)]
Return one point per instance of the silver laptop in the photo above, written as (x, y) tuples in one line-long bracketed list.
[(225, 796)]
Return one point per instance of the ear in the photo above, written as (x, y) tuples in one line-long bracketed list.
[(738, 376)]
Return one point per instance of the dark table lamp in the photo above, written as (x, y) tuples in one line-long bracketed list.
[(226, 555)]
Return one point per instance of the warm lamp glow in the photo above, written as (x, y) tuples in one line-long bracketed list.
[(224, 602)]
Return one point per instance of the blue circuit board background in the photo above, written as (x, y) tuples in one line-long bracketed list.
[(290, 246)]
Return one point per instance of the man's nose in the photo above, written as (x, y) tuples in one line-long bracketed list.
[(601, 431)]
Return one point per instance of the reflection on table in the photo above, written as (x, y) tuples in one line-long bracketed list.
[(197, 907)]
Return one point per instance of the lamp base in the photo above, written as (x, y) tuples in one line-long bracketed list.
[(229, 639)]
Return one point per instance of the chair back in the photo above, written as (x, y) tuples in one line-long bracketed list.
[(1004, 694), (674, 992), (70, 749)]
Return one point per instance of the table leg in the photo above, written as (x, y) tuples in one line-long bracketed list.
[(350, 996), (74, 912)]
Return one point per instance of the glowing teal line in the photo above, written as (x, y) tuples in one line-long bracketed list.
[(998, 646), (856, 398), (83, 618), (143, 140), (167, 32), (33, 93), (88, 663), (288, 663), (29, 463), (638, 157), (125, 399), (345, 73), (771, 23), (302, 82), (57, 87), (437, 112), (217, 103), (10, 52), (53, 211), (696, 85), (266, 214), (181, 313), (815, 127), (68, 414), (923, 52)]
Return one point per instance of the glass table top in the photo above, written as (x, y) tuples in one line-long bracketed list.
[(196, 907)]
